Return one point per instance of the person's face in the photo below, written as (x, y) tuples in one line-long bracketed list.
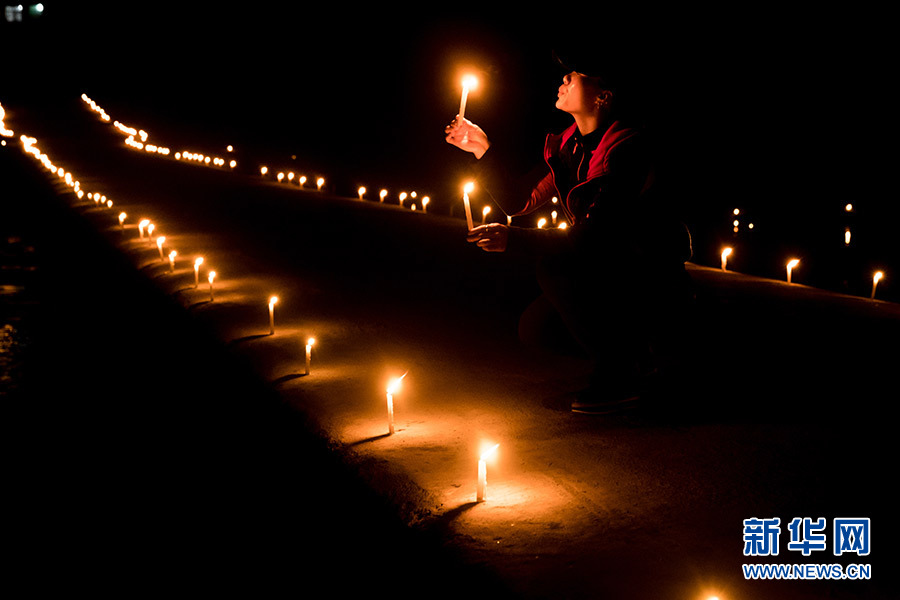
[(577, 94)]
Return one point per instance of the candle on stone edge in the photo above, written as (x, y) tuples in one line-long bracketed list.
[(141, 226), (159, 244), (272, 301), (197, 262), (122, 217), (381, 195), (172, 256), (392, 388), (402, 197), (725, 254), (466, 189), (309, 345), (211, 277), (790, 267), (541, 222), (425, 201), (361, 192), (481, 491), (150, 228), (878, 277)]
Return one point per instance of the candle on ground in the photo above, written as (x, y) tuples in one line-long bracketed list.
[(790, 267), (272, 301), (725, 254), (481, 492), (392, 388), (878, 276), (197, 262), (309, 345), (211, 277), (466, 189)]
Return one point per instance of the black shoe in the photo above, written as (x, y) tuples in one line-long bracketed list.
[(606, 400)]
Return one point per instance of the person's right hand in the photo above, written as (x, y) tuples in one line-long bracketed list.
[(466, 135)]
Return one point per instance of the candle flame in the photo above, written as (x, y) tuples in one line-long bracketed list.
[(310, 341), (485, 211), (394, 385), (198, 261), (541, 222), (726, 252), (487, 453), (469, 82), (469, 187), (793, 263), (273, 301), (212, 275), (878, 276)]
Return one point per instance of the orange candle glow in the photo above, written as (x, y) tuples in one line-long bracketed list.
[(484, 213), (481, 491), (197, 262), (272, 302), (878, 277), (172, 256), (361, 192), (309, 345), (159, 244), (122, 217), (392, 389), (790, 267), (381, 195), (142, 226), (469, 82), (725, 254), (211, 277), (466, 190)]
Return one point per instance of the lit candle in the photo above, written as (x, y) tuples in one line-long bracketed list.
[(141, 226), (159, 244), (211, 277), (553, 217), (790, 267), (319, 183), (541, 222), (361, 192), (280, 177), (484, 213), (197, 262), (847, 236), (878, 276), (272, 301), (508, 220), (402, 198), (725, 254), (122, 217), (482, 473), (425, 202), (391, 390), (381, 195), (150, 228), (466, 189), (309, 345), (263, 170), (172, 256), (469, 82)]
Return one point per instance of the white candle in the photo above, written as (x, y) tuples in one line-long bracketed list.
[(150, 228), (481, 491), (725, 254), (391, 390), (361, 192), (141, 226), (466, 189), (122, 217), (309, 345), (211, 277), (847, 236), (878, 276), (484, 213), (197, 262), (553, 217), (272, 301), (468, 82), (425, 202), (402, 198), (319, 183), (790, 267), (172, 256), (159, 244)]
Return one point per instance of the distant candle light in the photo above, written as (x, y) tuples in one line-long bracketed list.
[(481, 492), (541, 222), (725, 254), (211, 277), (309, 345), (159, 245), (172, 256), (122, 217), (319, 183), (425, 201), (361, 192), (847, 236), (381, 195), (197, 262), (392, 389), (141, 226), (878, 277), (467, 189), (790, 267), (263, 170), (402, 197), (272, 302)]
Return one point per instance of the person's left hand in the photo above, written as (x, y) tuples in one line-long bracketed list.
[(491, 237)]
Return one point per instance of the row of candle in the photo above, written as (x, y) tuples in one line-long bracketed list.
[(145, 226), (792, 264)]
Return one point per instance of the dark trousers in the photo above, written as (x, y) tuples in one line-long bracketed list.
[(615, 314)]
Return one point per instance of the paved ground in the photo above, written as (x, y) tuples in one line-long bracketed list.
[(170, 435)]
